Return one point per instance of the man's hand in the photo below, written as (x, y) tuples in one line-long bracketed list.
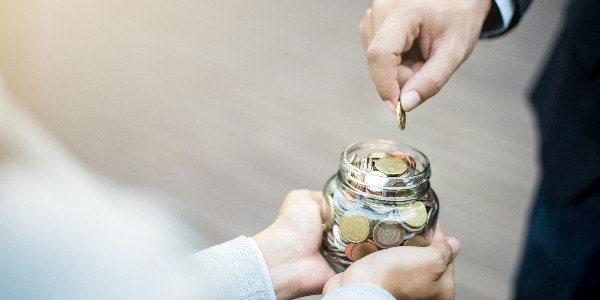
[(414, 46)]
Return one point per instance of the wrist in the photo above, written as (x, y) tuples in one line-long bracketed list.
[(481, 9), (277, 259)]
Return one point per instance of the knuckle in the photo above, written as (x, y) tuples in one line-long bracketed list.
[(375, 53), (378, 2), (438, 263), (298, 192), (382, 3)]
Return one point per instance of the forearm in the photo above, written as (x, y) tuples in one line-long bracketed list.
[(239, 269)]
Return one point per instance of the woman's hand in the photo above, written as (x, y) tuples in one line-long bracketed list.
[(291, 246), (406, 272)]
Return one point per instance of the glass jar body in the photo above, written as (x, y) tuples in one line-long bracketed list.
[(379, 198)]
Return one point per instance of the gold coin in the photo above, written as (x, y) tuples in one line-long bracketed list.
[(388, 233), (400, 116), (409, 159), (331, 215), (391, 166), (363, 249), (377, 155), (405, 192), (414, 214), (417, 240), (354, 226)]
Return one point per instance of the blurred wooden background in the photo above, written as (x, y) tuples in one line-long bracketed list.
[(227, 105)]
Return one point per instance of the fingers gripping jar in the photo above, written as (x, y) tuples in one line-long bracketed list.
[(379, 198)]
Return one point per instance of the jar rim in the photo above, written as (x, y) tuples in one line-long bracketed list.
[(417, 183)]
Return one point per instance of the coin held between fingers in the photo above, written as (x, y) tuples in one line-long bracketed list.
[(400, 116)]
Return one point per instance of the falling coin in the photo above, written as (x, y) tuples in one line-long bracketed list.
[(391, 166), (400, 116), (354, 226)]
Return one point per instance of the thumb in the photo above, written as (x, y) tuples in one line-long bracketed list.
[(333, 283), (448, 248), (394, 36)]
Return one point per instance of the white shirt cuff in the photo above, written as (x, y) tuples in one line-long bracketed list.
[(359, 291), (507, 11), (238, 268)]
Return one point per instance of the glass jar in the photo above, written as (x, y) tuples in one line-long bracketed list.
[(379, 198)]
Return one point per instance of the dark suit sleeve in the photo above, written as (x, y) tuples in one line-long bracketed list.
[(494, 20), (520, 8)]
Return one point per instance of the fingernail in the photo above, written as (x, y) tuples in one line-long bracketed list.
[(390, 105), (410, 100), (455, 245)]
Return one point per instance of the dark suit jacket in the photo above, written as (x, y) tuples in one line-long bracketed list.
[(567, 105), (561, 258), (566, 101)]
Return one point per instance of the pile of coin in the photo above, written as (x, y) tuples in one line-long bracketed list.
[(360, 225)]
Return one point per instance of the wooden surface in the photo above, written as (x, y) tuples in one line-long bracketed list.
[(227, 105)]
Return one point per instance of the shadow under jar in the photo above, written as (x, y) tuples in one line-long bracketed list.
[(379, 198)]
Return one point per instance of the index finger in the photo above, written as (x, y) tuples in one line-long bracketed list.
[(394, 37), (316, 201)]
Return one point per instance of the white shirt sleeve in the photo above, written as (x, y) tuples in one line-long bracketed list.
[(359, 291), (239, 268), (507, 11)]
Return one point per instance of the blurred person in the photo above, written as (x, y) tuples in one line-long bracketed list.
[(68, 233), (414, 46)]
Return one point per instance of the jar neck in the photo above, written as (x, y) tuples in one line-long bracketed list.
[(357, 174)]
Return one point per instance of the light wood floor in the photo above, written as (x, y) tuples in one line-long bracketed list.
[(228, 105)]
